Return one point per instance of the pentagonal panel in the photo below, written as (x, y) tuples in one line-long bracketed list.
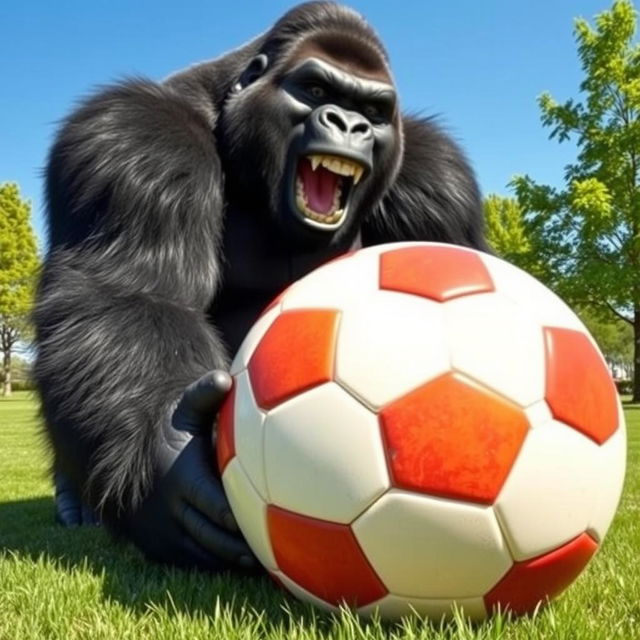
[(250, 512), (535, 580), (225, 437), (432, 548), (388, 344), (611, 459), (324, 456), (549, 496), (322, 557), (493, 340), (296, 353), (529, 294), (249, 433), (393, 607), (580, 390), (252, 338), (336, 284), (438, 272), (452, 438)]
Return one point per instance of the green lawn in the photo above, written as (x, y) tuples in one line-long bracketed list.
[(79, 584)]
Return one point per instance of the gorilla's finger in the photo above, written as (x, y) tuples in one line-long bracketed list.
[(67, 510), (208, 497), (201, 400), (229, 548)]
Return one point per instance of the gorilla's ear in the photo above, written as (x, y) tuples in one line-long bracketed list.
[(254, 70)]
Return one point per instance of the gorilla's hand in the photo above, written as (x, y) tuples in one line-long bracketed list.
[(70, 511), (186, 520)]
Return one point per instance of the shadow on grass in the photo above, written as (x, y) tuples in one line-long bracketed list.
[(27, 531)]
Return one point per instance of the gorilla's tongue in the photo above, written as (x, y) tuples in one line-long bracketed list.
[(319, 187)]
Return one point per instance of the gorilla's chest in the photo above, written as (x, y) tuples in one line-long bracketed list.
[(257, 266)]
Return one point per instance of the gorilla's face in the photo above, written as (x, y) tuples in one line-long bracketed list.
[(319, 137)]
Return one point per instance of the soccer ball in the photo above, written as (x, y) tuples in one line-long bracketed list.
[(419, 424)]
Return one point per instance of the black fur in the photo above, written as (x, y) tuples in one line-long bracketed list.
[(141, 181)]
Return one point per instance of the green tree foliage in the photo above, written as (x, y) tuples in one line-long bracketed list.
[(18, 269), (590, 230), (513, 234)]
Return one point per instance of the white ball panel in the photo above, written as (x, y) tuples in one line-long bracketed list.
[(549, 495), (544, 306), (249, 344), (324, 455), (612, 457), (303, 594), (390, 344), (538, 413), (498, 344), (455, 547), (250, 512), (249, 434), (334, 285), (393, 607)]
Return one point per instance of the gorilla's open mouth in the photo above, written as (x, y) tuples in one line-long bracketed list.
[(323, 188)]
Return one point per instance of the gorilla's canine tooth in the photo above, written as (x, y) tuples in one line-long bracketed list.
[(315, 161), (357, 174)]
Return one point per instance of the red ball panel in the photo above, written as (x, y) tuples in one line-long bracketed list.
[(452, 438), (529, 582), (323, 557), (580, 391), (296, 353), (439, 273), (225, 446)]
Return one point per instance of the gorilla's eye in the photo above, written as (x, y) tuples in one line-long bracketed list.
[(372, 112), (316, 91)]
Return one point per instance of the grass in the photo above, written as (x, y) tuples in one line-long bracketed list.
[(79, 584)]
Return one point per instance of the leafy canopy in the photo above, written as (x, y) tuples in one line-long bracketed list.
[(590, 230)]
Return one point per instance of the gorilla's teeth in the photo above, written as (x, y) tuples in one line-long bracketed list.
[(341, 166), (303, 207)]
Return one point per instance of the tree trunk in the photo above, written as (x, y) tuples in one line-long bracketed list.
[(636, 355), (6, 367)]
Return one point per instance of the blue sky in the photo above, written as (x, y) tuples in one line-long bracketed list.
[(478, 64)]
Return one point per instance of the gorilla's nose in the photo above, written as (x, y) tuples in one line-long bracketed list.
[(345, 124)]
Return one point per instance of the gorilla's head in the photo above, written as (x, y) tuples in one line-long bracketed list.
[(311, 129)]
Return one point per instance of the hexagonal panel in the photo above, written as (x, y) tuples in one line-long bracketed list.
[(535, 580), (493, 340), (335, 284), (322, 557), (250, 512), (549, 496), (611, 459), (580, 390), (249, 433), (324, 455), (388, 344), (225, 438), (438, 272), (432, 548), (393, 607), (295, 354), (452, 438), (529, 294), (259, 328)]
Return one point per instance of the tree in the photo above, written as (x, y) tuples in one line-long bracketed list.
[(590, 229), (18, 269), (513, 235)]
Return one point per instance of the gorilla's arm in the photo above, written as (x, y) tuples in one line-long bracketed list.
[(135, 205), (435, 196)]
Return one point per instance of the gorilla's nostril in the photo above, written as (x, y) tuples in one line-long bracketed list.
[(361, 127), (335, 119)]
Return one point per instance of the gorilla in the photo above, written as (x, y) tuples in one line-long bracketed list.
[(176, 212)]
